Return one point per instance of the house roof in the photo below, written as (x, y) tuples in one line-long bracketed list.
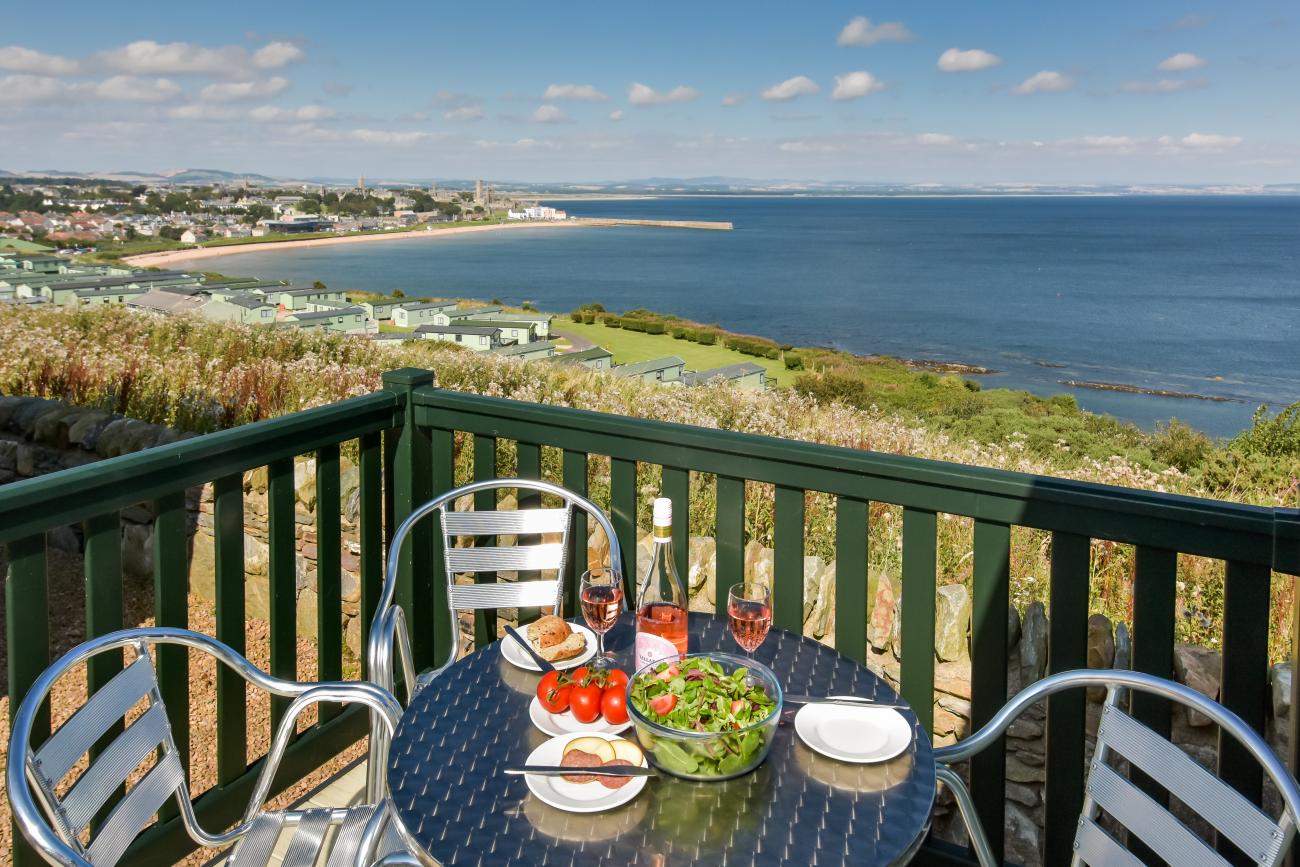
[(165, 301), (589, 354), (249, 302), (111, 290), (309, 290), (470, 312), (730, 371), (424, 305), (650, 366), (525, 348), (495, 315), (326, 314), (457, 329)]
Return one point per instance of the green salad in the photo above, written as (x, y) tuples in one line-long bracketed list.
[(697, 696)]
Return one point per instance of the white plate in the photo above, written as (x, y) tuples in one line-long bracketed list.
[(576, 797), (556, 724), (518, 657), (853, 734)]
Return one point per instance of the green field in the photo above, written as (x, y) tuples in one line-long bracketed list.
[(633, 346)]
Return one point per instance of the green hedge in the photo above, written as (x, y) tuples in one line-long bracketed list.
[(793, 361)]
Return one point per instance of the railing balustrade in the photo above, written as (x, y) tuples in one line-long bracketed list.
[(407, 453)]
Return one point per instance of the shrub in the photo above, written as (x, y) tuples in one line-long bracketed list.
[(1278, 436), (1178, 445), (706, 338), (654, 328), (612, 321), (793, 361), (678, 332)]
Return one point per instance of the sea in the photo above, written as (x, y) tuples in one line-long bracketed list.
[(1189, 294)]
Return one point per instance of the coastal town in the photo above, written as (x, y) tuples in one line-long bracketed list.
[(81, 215), (33, 275)]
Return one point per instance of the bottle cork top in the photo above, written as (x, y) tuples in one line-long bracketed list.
[(663, 512)]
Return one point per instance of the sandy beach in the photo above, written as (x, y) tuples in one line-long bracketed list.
[(173, 257)]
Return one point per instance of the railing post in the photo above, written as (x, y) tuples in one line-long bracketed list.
[(412, 468), (1286, 559)]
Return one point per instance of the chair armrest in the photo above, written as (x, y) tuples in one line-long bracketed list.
[(390, 637)]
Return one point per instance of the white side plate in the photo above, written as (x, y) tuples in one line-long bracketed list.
[(576, 797), (556, 724), (518, 657), (853, 734)]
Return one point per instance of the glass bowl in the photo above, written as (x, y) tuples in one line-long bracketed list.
[(694, 755)]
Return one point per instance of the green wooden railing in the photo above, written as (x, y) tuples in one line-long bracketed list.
[(93, 496), (407, 454)]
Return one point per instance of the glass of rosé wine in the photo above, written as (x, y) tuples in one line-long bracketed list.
[(600, 595), (749, 609)]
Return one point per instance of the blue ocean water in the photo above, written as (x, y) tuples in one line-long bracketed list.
[(1188, 294)]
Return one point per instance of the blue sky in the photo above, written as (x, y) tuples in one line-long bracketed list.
[(1125, 92)]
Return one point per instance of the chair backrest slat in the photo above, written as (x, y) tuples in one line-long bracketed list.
[(1152, 823), (113, 766), (1094, 847), (549, 556), (525, 594), (135, 810), (1236, 818), (521, 521), (103, 710)]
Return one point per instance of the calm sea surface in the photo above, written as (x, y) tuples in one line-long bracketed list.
[(1194, 294)]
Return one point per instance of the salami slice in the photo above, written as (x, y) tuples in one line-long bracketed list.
[(614, 782), (580, 759)]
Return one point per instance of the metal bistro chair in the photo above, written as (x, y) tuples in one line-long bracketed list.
[(55, 823), (388, 632), (1263, 839)]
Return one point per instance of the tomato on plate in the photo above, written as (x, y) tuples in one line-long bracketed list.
[(613, 705), (615, 678), (557, 699), (668, 673), (664, 704), (579, 675), (584, 701)]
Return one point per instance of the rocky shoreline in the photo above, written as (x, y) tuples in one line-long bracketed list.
[(1154, 392)]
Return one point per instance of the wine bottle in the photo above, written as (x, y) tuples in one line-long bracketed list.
[(661, 601)]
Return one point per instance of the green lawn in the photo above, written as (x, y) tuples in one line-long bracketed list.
[(388, 327), (632, 346)]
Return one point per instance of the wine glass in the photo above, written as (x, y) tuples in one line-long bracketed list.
[(601, 596), (749, 609)]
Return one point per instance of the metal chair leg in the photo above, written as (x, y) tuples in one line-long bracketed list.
[(979, 840)]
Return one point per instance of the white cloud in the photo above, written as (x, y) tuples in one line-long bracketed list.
[(1045, 81), (643, 94), (576, 92), (550, 114), (860, 31), (203, 111), (616, 114), (20, 59), (970, 60), (303, 112), (1210, 140), (936, 138), (853, 85), (235, 91), (126, 88), (733, 99), (790, 89), (1181, 62), (463, 114), (276, 55), (1164, 85), (387, 137), (32, 88), (147, 57)]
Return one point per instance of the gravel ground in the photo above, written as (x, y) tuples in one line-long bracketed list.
[(66, 600)]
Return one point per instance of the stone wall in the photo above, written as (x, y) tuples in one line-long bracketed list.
[(39, 436)]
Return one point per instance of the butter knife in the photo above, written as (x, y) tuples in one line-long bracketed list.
[(600, 771), (523, 642), (845, 700)]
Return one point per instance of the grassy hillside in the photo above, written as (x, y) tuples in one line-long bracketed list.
[(202, 376), (631, 346)]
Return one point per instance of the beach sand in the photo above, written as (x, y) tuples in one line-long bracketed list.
[(173, 257)]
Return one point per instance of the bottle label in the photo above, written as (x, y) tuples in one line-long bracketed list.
[(651, 648)]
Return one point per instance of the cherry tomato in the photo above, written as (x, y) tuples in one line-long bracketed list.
[(557, 700), (668, 673), (584, 701), (613, 705), (664, 704), (616, 678)]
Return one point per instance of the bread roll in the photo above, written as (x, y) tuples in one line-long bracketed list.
[(570, 647), (548, 631)]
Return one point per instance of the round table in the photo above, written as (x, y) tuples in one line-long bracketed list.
[(451, 800)]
